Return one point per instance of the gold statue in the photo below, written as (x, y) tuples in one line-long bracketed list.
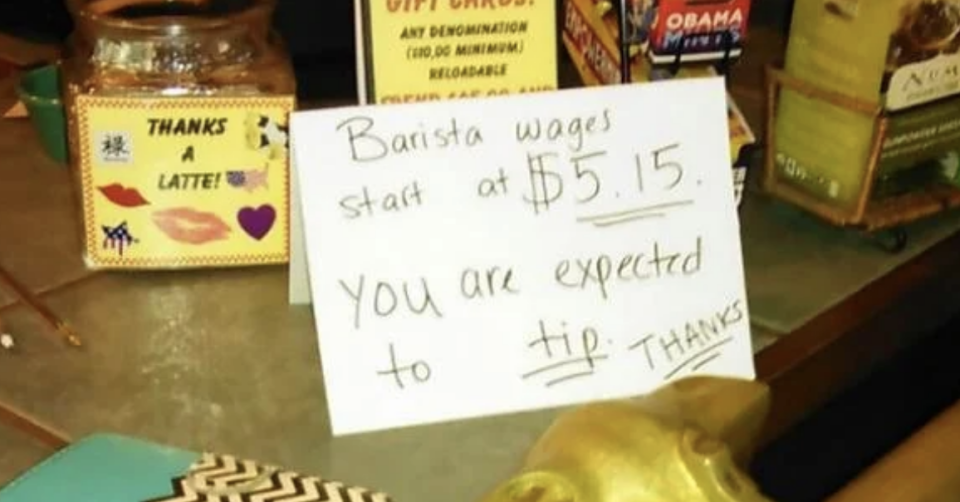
[(682, 443)]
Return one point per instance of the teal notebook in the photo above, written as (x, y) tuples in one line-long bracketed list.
[(111, 468)]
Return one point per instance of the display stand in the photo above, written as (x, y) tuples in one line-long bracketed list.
[(722, 65), (882, 220), (595, 36)]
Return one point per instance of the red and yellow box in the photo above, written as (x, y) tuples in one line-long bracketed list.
[(697, 30)]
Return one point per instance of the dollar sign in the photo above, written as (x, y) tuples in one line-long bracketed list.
[(546, 186)]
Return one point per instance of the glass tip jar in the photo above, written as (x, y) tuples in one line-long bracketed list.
[(177, 115), (175, 48)]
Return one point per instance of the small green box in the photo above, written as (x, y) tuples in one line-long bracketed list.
[(826, 150), (853, 164)]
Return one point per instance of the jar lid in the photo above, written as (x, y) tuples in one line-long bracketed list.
[(146, 14)]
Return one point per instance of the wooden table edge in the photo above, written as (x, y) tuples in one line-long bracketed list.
[(811, 365)]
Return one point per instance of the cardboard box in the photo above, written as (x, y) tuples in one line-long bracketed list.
[(591, 37), (895, 53), (831, 152)]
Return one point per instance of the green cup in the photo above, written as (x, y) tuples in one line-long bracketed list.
[(39, 90)]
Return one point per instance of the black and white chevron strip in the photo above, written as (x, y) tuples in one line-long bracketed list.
[(222, 478)]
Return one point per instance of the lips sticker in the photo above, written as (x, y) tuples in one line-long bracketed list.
[(123, 196), (187, 225), (257, 222)]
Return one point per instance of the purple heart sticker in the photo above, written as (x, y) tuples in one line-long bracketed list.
[(257, 222)]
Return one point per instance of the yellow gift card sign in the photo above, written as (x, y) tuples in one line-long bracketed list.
[(421, 50), (183, 182)]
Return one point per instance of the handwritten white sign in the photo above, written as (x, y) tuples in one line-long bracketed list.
[(480, 257)]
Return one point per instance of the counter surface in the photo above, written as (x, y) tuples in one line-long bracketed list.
[(217, 360)]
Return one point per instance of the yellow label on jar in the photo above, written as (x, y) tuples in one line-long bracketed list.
[(184, 182), (424, 50)]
